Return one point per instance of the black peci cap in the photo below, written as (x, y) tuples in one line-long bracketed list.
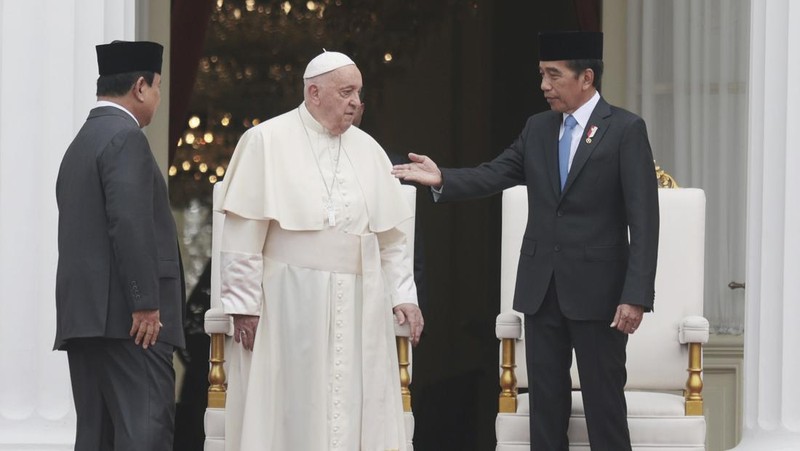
[(121, 57), (570, 45)]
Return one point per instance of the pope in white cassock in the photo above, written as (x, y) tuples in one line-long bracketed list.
[(313, 266)]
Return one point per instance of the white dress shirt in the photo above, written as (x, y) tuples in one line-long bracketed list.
[(581, 115), (102, 103)]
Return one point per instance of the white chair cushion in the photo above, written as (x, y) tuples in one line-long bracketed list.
[(656, 421), (508, 325), (217, 322), (403, 330), (512, 429), (409, 421), (214, 422), (640, 404), (694, 329)]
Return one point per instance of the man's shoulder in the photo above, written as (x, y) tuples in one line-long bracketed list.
[(106, 128), (624, 114), (109, 121), (542, 119), (618, 113), (111, 113)]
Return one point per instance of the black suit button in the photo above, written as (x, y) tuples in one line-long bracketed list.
[(557, 248), (560, 213)]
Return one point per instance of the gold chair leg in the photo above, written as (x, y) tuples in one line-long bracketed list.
[(405, 377), (216, 374), (508, 380), (694, 384)]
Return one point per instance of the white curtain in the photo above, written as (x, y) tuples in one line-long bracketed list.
[(687, 76)]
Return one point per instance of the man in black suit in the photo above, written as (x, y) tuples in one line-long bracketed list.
[(119, 286), (590, 176)]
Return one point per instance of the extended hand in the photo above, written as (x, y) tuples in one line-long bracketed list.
[(146, 326), (411, 313), (628, 318), (244, 330), (422, 170)]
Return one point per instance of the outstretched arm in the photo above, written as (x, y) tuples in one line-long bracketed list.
[(421, 170)]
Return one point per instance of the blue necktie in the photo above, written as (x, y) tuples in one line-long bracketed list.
[(564, 145)]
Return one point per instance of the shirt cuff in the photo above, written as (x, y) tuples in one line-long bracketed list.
[(240, 287), (437, 193)]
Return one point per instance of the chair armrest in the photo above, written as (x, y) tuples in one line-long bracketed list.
[(508, 325), (218, 322), (694, 332), (693, 329), (508, 328), (402, 336), (402, 330)]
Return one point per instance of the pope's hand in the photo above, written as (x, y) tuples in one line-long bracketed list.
[(244, 330), (422, 170), (410, 313)]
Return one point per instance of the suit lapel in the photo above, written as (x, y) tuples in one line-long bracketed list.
[(600, 118), (551, 153)]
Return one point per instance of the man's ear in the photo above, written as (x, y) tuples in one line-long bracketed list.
[(138, 88), (587, 78), (313, 93)]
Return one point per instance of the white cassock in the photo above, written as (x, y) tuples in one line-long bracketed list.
[(323, 373)]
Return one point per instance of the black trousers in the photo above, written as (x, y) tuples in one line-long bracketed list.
[(600, 351), (124, 395)]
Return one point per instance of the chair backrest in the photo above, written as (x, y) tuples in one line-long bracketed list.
[(656, 360), (217, 221)]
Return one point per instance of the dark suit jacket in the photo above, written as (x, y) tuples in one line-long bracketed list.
[(579, 237), (117, 241)]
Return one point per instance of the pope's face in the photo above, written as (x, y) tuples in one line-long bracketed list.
[(339, 98)]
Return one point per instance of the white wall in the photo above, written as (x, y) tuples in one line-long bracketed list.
[(772, 338), (48, 70)]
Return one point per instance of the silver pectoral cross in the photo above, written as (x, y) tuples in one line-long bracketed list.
[(331, 210)]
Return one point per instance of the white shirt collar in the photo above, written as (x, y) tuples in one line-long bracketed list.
[(102, 103), (583, 113)]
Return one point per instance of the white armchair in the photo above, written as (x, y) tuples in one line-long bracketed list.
[(665, 407), (220, 327)]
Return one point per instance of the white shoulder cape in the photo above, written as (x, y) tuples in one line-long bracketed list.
[(273, 176)]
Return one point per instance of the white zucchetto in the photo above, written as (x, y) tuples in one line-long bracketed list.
[(326, 62)]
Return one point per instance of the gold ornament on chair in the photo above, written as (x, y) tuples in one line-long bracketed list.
[(665, 180)]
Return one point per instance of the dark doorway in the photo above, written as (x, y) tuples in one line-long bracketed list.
[(461, 81)]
